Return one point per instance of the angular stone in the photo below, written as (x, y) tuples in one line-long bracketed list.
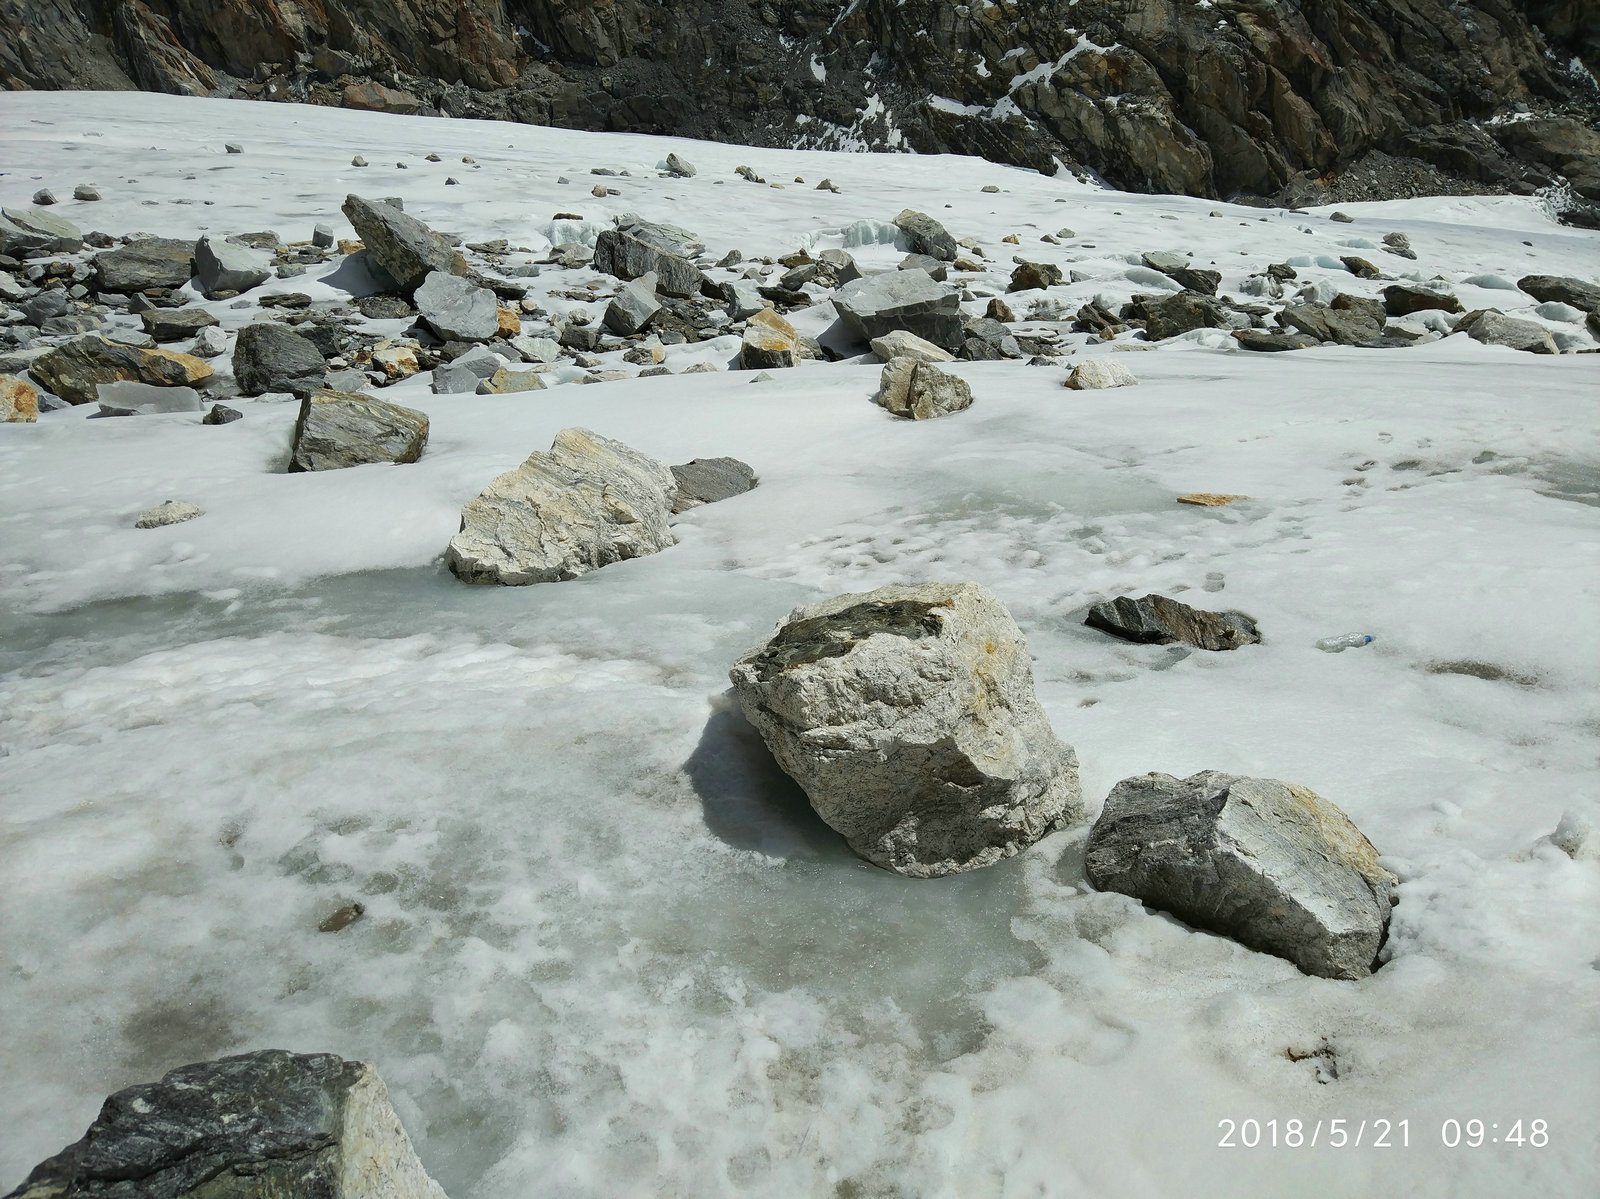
[(993, 333), (1270, 864), (769, 341), (743, 299), (54, 302), (1093, 374), (175, 324), (402, 245), (453, 379), (173, 512), (457, 309), (221, 266), (1031, 276), (1157, 620), (937, 270), (908, 300), (143, 399), (1560, 289), (1402, 299), (1345, 328), (221, 414), (638, 248), (31, 233), (343, 428), (1178, 268), (269, 357), (587, 503), (707, 480), (76, 370), (1264, 341), (1360, 267), (633, 307), (210, 342), (921, 391), (1493, 328), (269, 1123), (908, 715), (924, 235), (680, 166), (153, 262), (19, 401), (506, 381), (901, 344), (1176, 313)]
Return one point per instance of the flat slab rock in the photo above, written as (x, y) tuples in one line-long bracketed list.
[(1157, 620), (588, 502), (270, 1123), (707, 480), (337, 429), (1270, 864), (908, 715)]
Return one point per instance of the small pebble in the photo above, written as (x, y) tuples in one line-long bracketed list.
[(358, 161), (234, 148)]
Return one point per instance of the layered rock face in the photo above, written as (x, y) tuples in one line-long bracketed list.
[(1236, 96)]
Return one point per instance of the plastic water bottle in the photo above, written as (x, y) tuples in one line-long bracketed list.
[(1344, 641)]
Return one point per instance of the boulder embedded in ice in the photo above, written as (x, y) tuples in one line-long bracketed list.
[(586, 503), (268, 1123), (1562, 289), (173, 512), (1270, 864), (742, 299), (221, 266), (901, 344), (1093, 374), (638, 248), (1402, 299), (707, 480), (924, 235), (1494, 328), (151, 262), (175, 324), (19, 401), (908, 715), (908, 300), (75, 371), (1180, 312), (270, 357), (921, 391), (453, 379), (337, 429), (129, 398), (457, 309), (1266, 341), (221, 414), (402, 245), (1034, 276), (633, 307), (769, 341), (1359, 267), (30, 233), (1184, 273), (1347, 327), (1157, 620)]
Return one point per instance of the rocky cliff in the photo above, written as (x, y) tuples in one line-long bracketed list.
[(1225, 97)]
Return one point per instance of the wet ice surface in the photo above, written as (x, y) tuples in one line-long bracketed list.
[(607, 949)]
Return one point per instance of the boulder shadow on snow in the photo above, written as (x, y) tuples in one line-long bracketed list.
[(748, 801)]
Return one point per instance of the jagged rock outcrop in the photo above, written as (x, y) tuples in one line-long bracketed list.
[(1165, 95)]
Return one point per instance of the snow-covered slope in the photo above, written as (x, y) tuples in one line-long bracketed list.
[(607, 949)]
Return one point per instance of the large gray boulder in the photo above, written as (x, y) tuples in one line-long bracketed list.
[(909, 300), (1345, 327), (1176, 313), (1494, 328), (1157, 620), (269, 357), (457, 309), (152, 262), (263, 1125), (33, 233), (222, 266), (337, 429), (75, 371), (1270, 864), (176, 324), (633, 307), (919, 390), (636, 248), (587, 503), (924, 235), (1402, 299), (402, 245), (1562, 289), (908, 715)]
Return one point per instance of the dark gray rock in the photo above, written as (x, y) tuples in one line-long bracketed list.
[(269, 357), (1176, 313), (1494, 328), (1264, 341), (938, 271), (30, 233), (1562, 290), (402, 245), (637, 248), (40, 308), (175, 324), (269, 1123), (457, 309), (707, 480), (153, 262), (221, 414), (924, 235), (1155, 619), (1345, 328), (909, 300), (1270, 864), (1179, 269), (337, 429), (633, 307), (1402, 299)]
